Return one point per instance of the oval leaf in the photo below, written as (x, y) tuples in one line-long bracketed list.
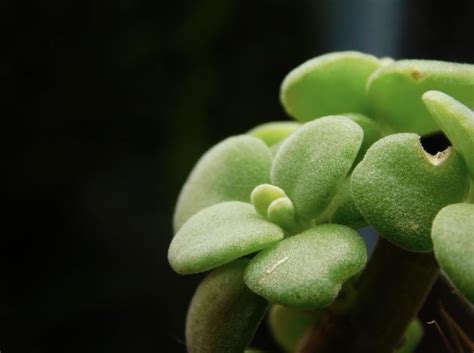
[(327, 85), (453, 239), (314, 160), (399, 188), (282, 212), (227, 172), (288, 325), (395, 92), (263, 195), (457, 122), (224, 314), (274, 132), (308, 269), (218, 235)]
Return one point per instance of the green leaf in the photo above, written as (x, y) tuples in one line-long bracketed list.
[(220, 234), (457, 122), (227, 172), (314, 160), (327, 85), (308, 269), (399, 188), (453, 239), (263, 195), (395, 92), (411, 338), (282, 212), (288, 325), (224, 314), (274, 132)]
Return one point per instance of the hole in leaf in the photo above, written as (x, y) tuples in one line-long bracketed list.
[(437, 148), (435, 143)]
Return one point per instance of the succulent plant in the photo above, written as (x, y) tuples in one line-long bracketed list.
[(274, 213)]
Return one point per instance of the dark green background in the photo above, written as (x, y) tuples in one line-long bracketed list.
[(112, 103)]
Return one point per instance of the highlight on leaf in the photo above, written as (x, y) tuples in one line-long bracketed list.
[(220, 234), (399, 188), (453, 239), (329, 84), (307, 270), (224, 314), (227, 172), (395, 92), (314, 160)]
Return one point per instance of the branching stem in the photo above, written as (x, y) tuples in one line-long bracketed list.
[(390, 293)]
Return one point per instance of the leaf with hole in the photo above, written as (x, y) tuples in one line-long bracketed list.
[(399, 188), (457, 122)]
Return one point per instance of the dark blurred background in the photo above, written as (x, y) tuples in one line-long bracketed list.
[(114, 101)]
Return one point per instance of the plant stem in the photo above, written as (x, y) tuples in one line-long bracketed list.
[(390, 293)]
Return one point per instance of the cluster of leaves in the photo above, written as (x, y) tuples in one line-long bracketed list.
[(276, 210)]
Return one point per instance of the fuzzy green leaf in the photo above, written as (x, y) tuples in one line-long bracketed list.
[(453, 239), (224, 314), (263, 195), (399, 188), (308, 269), (220, 234), (395, 92), (327, 85), (282, 212), (314, 160), (274, 132), (288, 325), (457, 122), (227, 172)]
